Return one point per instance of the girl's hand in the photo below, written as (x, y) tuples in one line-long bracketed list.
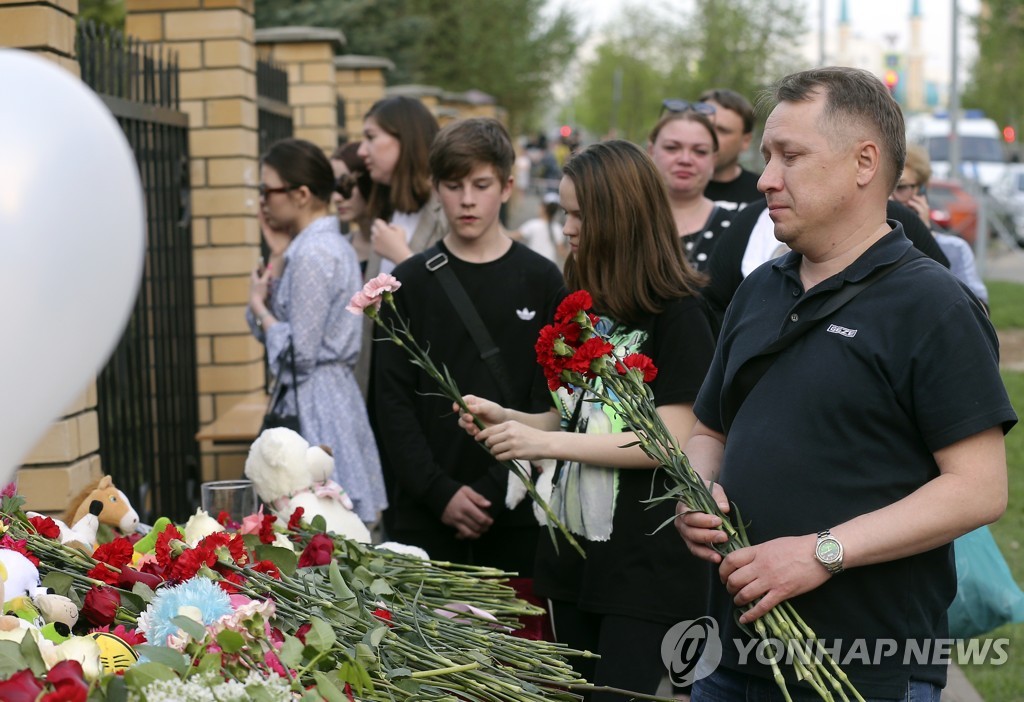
[(486, 411), (389, 241), (512, 440), (259, 290), (277, 239), (919, 204)]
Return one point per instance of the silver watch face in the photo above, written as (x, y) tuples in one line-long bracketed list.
[(828, 550)]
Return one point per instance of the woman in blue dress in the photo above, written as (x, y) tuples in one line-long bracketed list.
[(297, 303)]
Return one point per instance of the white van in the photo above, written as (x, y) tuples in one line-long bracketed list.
[(981, 145)]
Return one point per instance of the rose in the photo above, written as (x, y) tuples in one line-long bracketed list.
[(318, 552), (68, 681), (20, 687), (100, 605), (129, 576)]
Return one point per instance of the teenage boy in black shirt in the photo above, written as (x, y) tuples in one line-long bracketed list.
[(446, 494)]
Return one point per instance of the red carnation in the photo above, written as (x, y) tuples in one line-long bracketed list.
[(269, 568), (163, 545), (590, 350), (117, 553), (103, 573), (190, 561), (293, 521), (642, 363), (319, 552), (301, 632), (45, 526), (101, 605), (572, 305), (267, 529)]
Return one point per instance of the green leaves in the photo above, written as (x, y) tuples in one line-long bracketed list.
[(321, 637), (284, 558), (166, 657), (142, 674)]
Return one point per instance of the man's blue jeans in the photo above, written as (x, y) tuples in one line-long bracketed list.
[(727, 686)]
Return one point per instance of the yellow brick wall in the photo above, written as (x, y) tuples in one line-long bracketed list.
[(360, 88), (47, 28), (311, 88), (217, 54)]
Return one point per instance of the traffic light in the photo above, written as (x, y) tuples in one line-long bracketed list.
[(565, 132), (1009, 134), (891, 80)]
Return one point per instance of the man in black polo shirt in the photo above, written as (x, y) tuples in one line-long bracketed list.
[(873, 439), (732, 186)]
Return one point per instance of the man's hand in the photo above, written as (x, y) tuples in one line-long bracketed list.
[(700, 530), (465, 513), (389, 241), (772, 572)]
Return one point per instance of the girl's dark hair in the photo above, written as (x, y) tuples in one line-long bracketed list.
[(629, 256), (300, 162), (409, 121), (360, 177)]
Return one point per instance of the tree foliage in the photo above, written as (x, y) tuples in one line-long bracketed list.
[(510, 49), (664, 51), (995, 84), (109, 12)]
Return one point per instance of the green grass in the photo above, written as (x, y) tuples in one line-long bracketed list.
[(1006, 304), (1005, 683)]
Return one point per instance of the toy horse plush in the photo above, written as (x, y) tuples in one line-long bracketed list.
[(101, 503)]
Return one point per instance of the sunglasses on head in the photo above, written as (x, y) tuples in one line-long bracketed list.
[(676, 105), (345, 185)]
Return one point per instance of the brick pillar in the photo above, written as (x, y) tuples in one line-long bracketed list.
[(214, 41), (360, 82), (67, 458), (47, 28), (307, 53), (429, 95)]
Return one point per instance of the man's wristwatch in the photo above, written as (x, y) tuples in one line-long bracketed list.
[(829, 552)]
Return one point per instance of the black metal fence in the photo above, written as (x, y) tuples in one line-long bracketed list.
[(275, 114), (148, 406)]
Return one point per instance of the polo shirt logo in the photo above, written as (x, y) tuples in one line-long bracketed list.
[(526, 314), (842, 331)]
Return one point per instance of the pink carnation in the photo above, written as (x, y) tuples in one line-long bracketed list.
[(371, 293), (360, 302), (381, 284)]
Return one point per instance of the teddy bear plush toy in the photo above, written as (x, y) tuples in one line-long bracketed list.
[(289, 473)]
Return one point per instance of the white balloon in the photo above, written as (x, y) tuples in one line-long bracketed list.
[(72, 229)]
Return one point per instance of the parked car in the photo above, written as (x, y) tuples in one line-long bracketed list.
[(953, 209)]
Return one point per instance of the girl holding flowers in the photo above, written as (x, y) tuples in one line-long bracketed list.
[(634, 584)]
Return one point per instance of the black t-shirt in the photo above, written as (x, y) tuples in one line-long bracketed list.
[(844, 422), (636, 573), (425, 455), (726, 272), (736, 193), (698, 246)]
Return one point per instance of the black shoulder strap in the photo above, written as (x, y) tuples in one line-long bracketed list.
[(751, 372), (490, 354)]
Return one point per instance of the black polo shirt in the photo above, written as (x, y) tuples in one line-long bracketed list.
[(844, 422)]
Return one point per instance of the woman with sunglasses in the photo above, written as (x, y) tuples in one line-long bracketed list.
[(634, 584), (352, 192), (297, 309), (683, 145)]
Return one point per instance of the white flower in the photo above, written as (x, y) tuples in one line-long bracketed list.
[(199, 526)]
